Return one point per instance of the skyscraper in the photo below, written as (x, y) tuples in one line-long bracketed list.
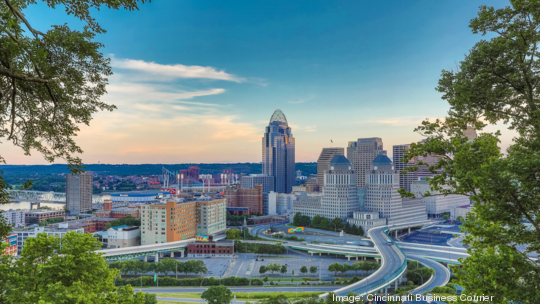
[(324, 160), (361, 153), (340, 197), (405, 180), (382, 184), (78, 193), (278, 153)]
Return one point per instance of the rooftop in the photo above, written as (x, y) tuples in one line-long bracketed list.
[(278, 116), (339, 160), (381, 159)]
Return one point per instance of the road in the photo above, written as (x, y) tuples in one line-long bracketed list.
[(238, 289), (440, 278)]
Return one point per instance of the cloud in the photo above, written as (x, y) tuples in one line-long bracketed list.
[(302, 100), (173, 71)]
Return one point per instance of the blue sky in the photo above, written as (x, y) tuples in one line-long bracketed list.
[(197, 81)]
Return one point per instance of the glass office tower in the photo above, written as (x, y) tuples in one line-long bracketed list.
[(278, 153)]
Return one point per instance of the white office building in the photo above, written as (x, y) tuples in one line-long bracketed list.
[(15, 217), (436, 203), (24, 233), (282, 201), (382, 184)]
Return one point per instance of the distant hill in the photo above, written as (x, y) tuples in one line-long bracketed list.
[(147, 169)]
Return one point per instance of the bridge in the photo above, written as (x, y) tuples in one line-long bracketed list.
[(47, 197)]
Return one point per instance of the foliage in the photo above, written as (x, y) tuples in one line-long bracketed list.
[(262, 269), (283, 269), (301, 220), (163, 266), (440, 289), (50, 83), (497, 82), (233, 234), (313, 269), (53, 220), (217, 294), (171, 281), (54, 270), (273, 267), (304, 269), (126, 220), (420, 275)]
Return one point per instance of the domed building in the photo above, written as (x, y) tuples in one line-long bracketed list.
[(382, 200)]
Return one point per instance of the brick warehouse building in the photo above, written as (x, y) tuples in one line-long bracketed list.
[(210, 249), (251, 198)]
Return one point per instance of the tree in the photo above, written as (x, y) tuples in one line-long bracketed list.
[(445, 217), (265, 279), (272, 267), (50, 82), (337, 223), (347, 228), (325, 223), (346, 267), (335, 267), (316, 221), (54, 270), (356, 266), (460, 218), (313, 270), (166, 265), (303, 269), (360, 230), (233, 234), (262, 269), (297, 219), (283, 269), (217, 294), (497, 82)]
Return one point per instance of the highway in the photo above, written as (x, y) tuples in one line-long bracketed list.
[(440, 278), (391, 260)]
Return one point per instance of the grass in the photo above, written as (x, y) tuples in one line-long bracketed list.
[(242, 295), (167, 302)]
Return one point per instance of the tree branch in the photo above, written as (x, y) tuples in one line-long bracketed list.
[(19, 76), (20, 16), (13, 108)]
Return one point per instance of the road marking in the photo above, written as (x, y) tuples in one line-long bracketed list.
[(240, 268)]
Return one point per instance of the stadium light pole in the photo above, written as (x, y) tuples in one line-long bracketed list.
[(420, 277)]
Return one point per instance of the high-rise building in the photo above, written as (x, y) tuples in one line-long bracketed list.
[(78, 193), (249, 199), (194, 172), (382, 184), (327, 154), (340, 196), (168, 221), (283, 202), (258, 179), (278, 145), (405, 180), (361, 154), (14, 217), (211, 215)]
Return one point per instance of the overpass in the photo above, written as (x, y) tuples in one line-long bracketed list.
[(156, 250), (393, 258)]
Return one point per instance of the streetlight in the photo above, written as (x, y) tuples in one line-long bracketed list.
[(202, 282)]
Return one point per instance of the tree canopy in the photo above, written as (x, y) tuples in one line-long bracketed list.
[(497, 82), (51, 80), (61, 270)]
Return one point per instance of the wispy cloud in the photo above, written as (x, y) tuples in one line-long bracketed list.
[(302, 100), (175, 70)]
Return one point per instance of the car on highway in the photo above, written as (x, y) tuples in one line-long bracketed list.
[(389, 242)]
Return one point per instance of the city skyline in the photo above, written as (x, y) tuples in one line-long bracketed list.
[(211, 86)]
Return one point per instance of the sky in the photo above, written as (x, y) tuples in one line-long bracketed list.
[(197, 81)]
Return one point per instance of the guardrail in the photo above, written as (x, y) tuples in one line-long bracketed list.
[(388, 279)]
